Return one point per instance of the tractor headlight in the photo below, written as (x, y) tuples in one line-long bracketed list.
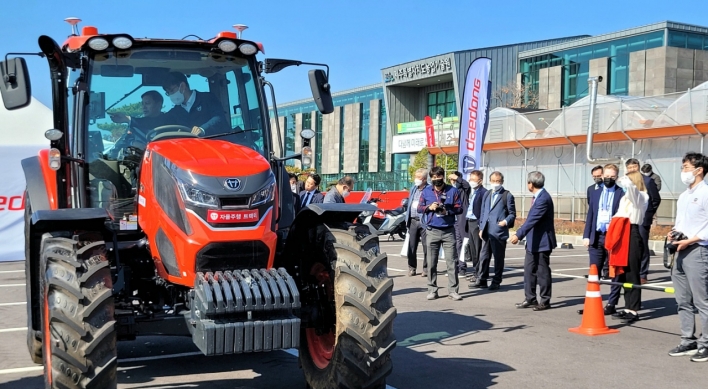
[(265, 194), (196, 196), (98, 44)]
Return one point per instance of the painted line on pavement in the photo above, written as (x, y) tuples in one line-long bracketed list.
[(390, 268), (11, 271), (18, 329), (11, 285), (21, 370), (9, 304)]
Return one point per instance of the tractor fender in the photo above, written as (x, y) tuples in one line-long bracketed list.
[(87, 219), (296, 244), (41, 182)]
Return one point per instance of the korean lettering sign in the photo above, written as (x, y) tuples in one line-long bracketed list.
[(423, 69)]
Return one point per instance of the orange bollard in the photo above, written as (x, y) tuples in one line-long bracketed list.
[(593, 322)]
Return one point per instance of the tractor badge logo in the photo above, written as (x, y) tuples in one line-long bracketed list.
[(232, 183), (214, 216)]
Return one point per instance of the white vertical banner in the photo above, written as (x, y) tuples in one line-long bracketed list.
[(12, 205), (474, 115)]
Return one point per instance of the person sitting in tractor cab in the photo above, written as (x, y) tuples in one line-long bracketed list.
[(199, 111), (152, 113)]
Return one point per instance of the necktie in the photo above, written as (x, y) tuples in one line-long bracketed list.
[(306, 199), (533, 200)]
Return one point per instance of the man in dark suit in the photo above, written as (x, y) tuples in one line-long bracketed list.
[(414, 222), (540, 234), (199, 111), (464, 189), (498, 215), (603, 205), (311, 195), (632, 165), (472, 216), (597, 178)]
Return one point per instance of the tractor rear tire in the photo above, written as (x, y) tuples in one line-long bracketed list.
[(358, 355), (79, 332), (34, 338)]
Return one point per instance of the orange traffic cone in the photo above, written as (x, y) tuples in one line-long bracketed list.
[(593, 322)]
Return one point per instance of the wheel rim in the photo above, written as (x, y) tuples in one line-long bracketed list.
[(321, 347)]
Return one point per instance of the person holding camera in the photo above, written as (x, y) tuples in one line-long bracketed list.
[(690, 270), (438, 205), (497, 216)]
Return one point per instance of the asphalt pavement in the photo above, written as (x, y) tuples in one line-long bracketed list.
[(479, 342)]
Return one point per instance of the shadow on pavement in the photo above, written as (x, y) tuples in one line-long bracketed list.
[(417, 366)]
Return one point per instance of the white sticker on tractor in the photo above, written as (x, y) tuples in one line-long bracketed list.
[(141, 200)]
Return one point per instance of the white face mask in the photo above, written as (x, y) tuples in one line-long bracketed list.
[(646, 174), (177, 98), (345, 194), (688, 178), (474, 184), (418, 182), (495, 186)]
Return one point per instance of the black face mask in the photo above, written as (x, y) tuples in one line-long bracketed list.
[(609, 182), (439, 182), (598, 180)]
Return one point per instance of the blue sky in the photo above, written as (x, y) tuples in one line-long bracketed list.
[(356, 38)]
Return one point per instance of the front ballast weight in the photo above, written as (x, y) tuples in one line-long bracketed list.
[(244, 311)]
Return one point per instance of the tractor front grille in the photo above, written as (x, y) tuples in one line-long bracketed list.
[(233, 256)]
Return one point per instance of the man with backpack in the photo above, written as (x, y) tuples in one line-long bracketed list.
[(498, 215)]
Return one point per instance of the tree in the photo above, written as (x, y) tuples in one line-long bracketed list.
[(512, 95), (447, 162), (302, 174), (118, 129)]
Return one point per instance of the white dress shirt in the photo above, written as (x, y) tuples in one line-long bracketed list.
[(189, 103), (692, 213)]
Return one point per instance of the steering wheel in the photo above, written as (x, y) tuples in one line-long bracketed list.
[(169, 130)]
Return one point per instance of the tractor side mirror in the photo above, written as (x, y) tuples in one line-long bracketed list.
[(321, 90), (15, 85), (97, 105)]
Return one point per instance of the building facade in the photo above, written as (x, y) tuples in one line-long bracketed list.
[(652, 105)]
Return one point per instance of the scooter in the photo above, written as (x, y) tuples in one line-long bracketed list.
[(375, 218), (395, 222)]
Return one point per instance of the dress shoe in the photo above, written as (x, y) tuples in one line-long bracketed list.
[(629, 317), (478, 285), (432, 296), (619, 315), (411, 272), (526, 304), (542, 307), (424, 274), (494, 287), (609, 309), (580, 311), (454, 296)]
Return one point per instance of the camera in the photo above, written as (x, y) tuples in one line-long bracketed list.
[(678, 235), (441, 205)]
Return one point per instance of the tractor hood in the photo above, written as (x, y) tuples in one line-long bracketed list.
[(219, 167), (211, 157)]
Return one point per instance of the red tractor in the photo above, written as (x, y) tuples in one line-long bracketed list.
[(183, 222)]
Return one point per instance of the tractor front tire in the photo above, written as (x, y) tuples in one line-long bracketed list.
[(79, 334), (357, 355)]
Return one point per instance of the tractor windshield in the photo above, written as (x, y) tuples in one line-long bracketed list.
[(148, 94)]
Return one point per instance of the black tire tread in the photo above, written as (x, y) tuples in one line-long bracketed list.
[(82, 334), (365, 313)]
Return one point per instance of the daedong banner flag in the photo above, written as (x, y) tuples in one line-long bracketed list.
[(474, 115)]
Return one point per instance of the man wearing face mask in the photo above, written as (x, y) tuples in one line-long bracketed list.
[(474, 212), (597, 178), (603, 204), (498, 215), (647, 171), (690, 271), (632, 165), (464, 188), (414, 222), (439, 204), (199, 111), (340, 191)]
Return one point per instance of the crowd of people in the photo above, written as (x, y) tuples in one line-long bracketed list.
[(449, 212)]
